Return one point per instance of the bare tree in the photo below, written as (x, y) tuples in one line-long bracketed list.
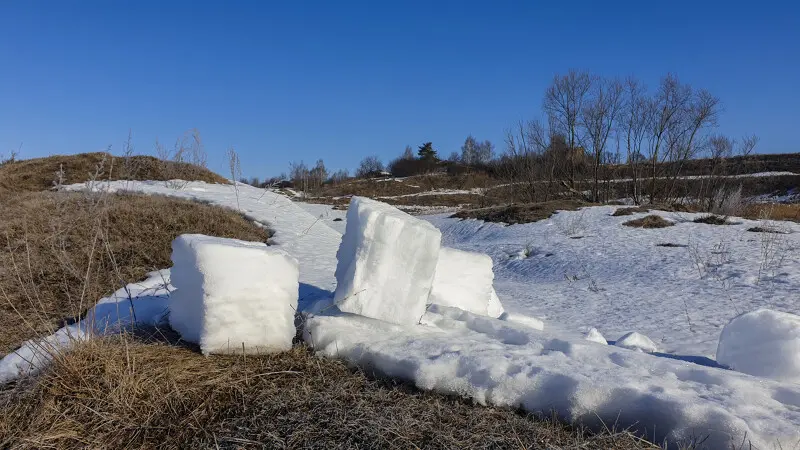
[(563, 103), (598, 118), (408, 153), (368, 166), (635, 122)]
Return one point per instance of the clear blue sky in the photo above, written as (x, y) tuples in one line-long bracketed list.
[(338, 80)]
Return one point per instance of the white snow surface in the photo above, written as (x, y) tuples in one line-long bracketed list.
[(588, 271), (386, 263), (501, 363), (233, 296), (463, 280), (636, 341), (764, 343), (595, 336), (495, 308)]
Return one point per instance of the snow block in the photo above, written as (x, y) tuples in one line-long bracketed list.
[(386, 263), (495, 307), (764, 343), (595, 336), (463, 280), (232, 294), (636, 341)]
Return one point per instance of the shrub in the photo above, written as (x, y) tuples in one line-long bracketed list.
[(651, 221)]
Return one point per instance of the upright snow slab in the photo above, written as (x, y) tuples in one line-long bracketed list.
[(232, 295), (463, 280), (386, 263), (763, 343)]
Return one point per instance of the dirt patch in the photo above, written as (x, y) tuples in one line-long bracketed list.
[(39, 174), (61, 252), (122, 393), (524, 213), (651, 221), (765, 230), (671, 245)]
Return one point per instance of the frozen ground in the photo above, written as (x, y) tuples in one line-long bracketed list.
[(576, 270)]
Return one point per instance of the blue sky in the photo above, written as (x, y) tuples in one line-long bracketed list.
[(338, 80)]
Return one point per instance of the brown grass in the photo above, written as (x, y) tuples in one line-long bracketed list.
[(651, 221), (524, 213), (773, 211), (630, 211), (122, 393), (48, 239), (712, 219), (38, 174)]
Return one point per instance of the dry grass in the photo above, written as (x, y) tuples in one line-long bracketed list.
[(651, 221), (38, 174), (48, 240), (122, 393), (773, 211), (525, 213), (713, 219), (629, 211)]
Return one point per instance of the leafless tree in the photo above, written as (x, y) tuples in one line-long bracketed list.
[(369, 165), (634, 124), (598, 117), (563, 102)]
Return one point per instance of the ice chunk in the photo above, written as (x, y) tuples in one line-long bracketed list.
[(595, 336), (232, 294), (495, 307), (763, 343), (636, 341), (463, 280), (522, 319), (386, 263)]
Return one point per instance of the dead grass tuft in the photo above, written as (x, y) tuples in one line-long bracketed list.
[(38, 174), (629, 211), (121, 393), (524, 213), (773, 211), (651, 221), (713, 219), (47, 240)]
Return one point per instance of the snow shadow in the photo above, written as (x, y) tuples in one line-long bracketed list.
[(699, 360)]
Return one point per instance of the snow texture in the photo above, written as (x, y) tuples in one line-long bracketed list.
[(505, 364), (386, 263), (764, 343), (233, 296), (463, 280), (522, 319), (636, 341), (594, 336)]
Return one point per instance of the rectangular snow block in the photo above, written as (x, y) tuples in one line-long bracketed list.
[(386, 263), (233, 296), (463, 280)]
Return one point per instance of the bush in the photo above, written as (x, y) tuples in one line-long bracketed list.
[(651, 221)]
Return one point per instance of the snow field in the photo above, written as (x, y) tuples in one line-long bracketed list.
[(463, 280), (763, 343), (233, 296), (386, 263)]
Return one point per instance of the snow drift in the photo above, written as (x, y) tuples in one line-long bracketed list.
[(233, 295)]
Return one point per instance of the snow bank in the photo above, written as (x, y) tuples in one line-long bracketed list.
[(763, 343), (463, 280), (233, 294), (386, 263), (505, 364), (636, 341)]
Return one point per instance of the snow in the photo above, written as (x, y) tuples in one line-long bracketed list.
[(500, 363), (636, 341), (613, 278), (522, 319), (386, 262), (463, 280), (495, 307), (233, 296), (594, 336), (764, 343)]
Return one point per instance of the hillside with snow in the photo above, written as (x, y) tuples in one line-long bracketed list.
[(557, 279)]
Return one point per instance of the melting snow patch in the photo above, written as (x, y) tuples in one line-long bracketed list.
[(764, 343)]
